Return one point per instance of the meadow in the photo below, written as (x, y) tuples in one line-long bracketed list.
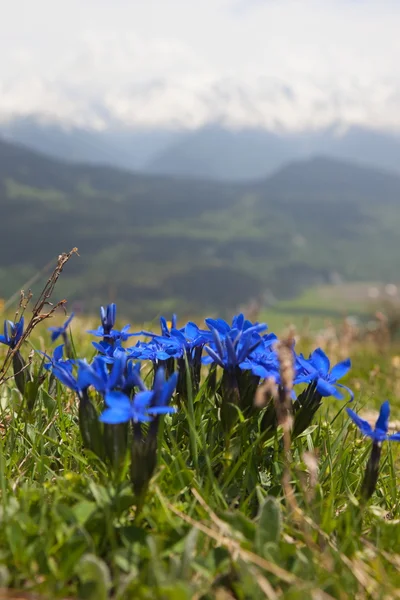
[(196, 460)]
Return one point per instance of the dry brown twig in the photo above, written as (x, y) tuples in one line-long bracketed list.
[(283, 407), (37, 315)]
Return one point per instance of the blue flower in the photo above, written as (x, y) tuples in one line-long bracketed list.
[(145, 405), (176, 343), (317, 369), (57, 359), (57, 331), (113, 334), (122, 409), (63, 372), (239, 324), (228, 353), (152, 350), (98, 375), (263, 360), (105, 330), (165, 327), (109, 351), (263, 365), (12, 333), (183, 341), (380, 432), (107, 317), (132, 378)]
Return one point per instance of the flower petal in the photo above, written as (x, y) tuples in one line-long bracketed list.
[(162, 410), (167, 390), (114, 416), (320, 360), (383, 419), (327, 389), (363, 425), (118, 400), (214, 356), (340, 370)]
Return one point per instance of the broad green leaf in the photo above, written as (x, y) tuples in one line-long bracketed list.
[(95, 578), (269, 523)]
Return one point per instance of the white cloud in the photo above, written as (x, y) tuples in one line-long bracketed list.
[(275, 63)]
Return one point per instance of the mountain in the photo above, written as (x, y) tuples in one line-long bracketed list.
[(160, 244), (123, 148), (365, 146), (214, 152), (210, 152), (253, 154)]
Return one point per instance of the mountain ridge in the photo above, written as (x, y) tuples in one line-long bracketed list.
[(169, 243), (212, 151)]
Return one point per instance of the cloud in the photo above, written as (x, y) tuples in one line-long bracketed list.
[(280, 63)]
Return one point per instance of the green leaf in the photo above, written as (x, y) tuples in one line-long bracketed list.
[(83, 510), (95, 578), (240, 523), (188, 552), (269, 523)]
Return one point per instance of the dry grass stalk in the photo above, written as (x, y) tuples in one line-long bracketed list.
[(283, 407), (266, 392), (37, 315)]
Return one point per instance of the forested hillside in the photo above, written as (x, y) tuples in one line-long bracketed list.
[(159, 242)]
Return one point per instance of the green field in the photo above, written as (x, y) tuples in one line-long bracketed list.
[(317, 307)]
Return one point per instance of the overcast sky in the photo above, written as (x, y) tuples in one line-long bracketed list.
[(275, 63)]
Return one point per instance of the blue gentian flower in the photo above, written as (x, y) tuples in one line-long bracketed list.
[(57, 359), (105, 330), (317, 369), (109, 351), (145, 405), (63, 372), (265, 365), (152, 350), (165, 327), (132, 378), (183, 341), (57, 331), (263, 360), (98, 375), (107, 317), (122, 409), (12, 333), (228, 353), (113, 334), (239, 324), (380, 432)]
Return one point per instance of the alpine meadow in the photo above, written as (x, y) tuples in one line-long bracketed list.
[(199, 300)]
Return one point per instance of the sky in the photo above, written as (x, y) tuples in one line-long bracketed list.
[(278, 64)]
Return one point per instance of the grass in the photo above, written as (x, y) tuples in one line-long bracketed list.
[(217, 521)]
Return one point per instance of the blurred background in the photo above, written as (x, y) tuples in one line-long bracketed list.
[(204, 156)]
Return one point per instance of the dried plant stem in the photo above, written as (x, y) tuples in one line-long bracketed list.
[(37, 315), (283, 407)]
